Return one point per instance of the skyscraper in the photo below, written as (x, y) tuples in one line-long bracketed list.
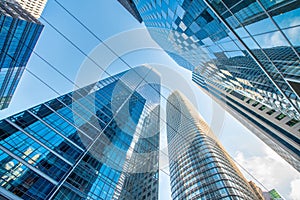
[(34, 7), (19, 32), (87, 144), (200, 168), (245, 54), (257, 190)]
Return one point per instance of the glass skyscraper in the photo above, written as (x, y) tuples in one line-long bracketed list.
[(200, 168), (19, 32), (245, 54), (98, 142)]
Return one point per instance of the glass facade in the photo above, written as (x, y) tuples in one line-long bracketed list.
[(250, 48), (277, 130), (19, 32), (200, 168), (92, 143)]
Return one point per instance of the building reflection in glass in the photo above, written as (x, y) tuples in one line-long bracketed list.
[(77, 146)]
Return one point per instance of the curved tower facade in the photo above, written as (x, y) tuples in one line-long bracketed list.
[(200, 168)]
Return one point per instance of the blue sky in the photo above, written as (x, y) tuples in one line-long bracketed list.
[(107, 19)]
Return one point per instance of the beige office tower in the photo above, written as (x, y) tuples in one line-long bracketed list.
[(34, 7), (257, 190)]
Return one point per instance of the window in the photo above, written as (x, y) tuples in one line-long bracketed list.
[(270, 112), (280, 117), (262, 107), (206, 16), (292, 122), (249, 101)]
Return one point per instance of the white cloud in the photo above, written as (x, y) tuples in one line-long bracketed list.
[(271, 40), (295, 22), (272, 171), (295, 193), (277, 40), (293, 33)]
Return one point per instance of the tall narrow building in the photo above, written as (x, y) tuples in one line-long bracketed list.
[(243, 53), (85, 144), (257, 190), (200, 168), (19, 32)]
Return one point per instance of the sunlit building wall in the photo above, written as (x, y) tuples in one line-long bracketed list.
[(257, 190), (34, 7)]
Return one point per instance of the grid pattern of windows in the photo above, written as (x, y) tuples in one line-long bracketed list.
[(264, 122), (34, 7), (251, 40), (18, 35), (200, 168), (76, 146), (249, 47)]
